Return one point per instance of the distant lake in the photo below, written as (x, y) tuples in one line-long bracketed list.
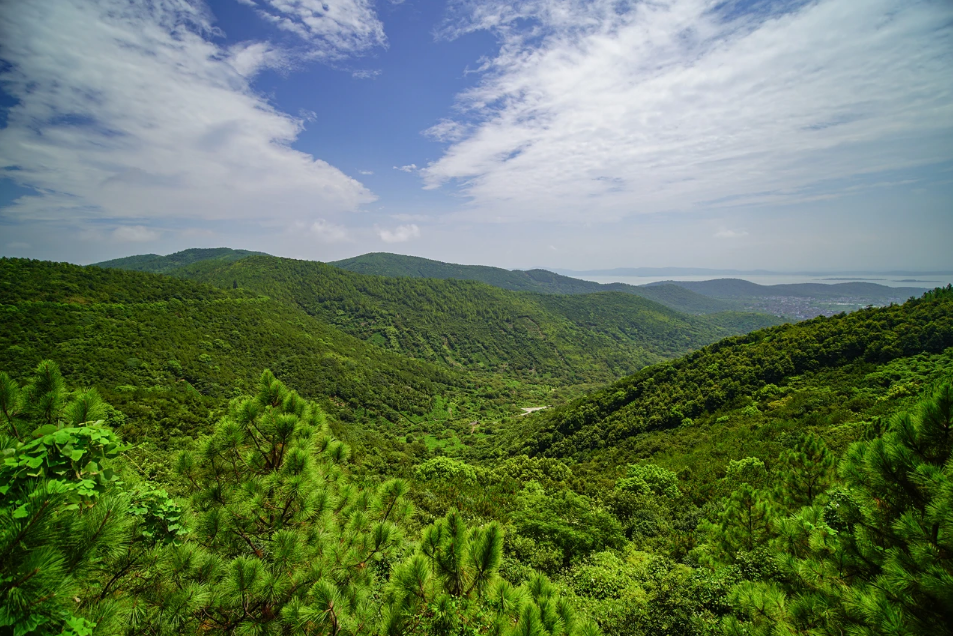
[(927, 282)]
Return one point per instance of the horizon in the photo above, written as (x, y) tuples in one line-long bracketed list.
[(653, 275), (776, 135)]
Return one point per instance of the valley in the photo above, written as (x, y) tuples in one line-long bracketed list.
[(596, 451)]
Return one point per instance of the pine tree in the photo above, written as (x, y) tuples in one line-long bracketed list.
[(63, 517), (744, 525), (878, 557), (804, 472), (299, 541), (451, 584)]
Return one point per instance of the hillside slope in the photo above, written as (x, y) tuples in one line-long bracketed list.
[(157, 264), (609, 426), (184, 347), (478, 326), (736, 288), (534, 280)]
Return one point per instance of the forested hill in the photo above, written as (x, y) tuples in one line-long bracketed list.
[(757, 370), (164, 264), (477, 326), (534, 280), (736, 288), (166, 351)]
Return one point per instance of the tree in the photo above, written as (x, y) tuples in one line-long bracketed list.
[(64, 516), (450, 585), (301, 541), (878, 557)]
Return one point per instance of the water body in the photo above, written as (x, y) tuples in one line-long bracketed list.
[(928, 282)]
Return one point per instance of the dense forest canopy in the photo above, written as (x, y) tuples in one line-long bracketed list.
[(232, 450), (534, 280), (474, 325)]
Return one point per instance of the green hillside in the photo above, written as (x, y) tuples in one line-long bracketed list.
[(170, 352), (164, 264), (735, 288), (755, 371), (768, 483), (534, 280), (467, 324)]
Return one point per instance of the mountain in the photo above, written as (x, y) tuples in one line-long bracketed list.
[(468, 324), (534, 280), (205, 497), (838, 358), (184, 347), (735, 288), (157, 264)]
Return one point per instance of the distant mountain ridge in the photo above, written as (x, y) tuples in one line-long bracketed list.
[(470, 323), (535, 280), (736, 288), (473, 324), (157, 264), (793, 301), (708, 271)]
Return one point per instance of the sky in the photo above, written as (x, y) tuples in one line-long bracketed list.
[(783, 135)]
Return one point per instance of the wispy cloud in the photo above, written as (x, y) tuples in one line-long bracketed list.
[(327, 232), (331, 29), (412, 167), (248, 58), (366, 74), (623, 108), (447, 130), (365, 172), (400, 234), (130, 112)]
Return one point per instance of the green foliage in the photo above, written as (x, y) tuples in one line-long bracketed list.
[(877, 557), (572, 524), (62, 516), (534, 280), (743, 526), (270, 496), (473, 325), (447, 470), (649, 479), (168, 327), (156, 264), (762, 485), (805, 472), (724, 375), (451, 586), (749, 470)]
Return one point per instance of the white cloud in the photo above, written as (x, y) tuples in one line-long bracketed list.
[(400, 234), (615, 109), (447, 131), (127, 111), (366, 74), (332, 29), (365, 172), (328, 232), (729, 234), (134, 234), (408, 168), (248, 58)]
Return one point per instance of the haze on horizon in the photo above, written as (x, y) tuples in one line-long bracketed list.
[(785, 135)]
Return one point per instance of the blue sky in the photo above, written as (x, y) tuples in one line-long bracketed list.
[(561, 133)]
